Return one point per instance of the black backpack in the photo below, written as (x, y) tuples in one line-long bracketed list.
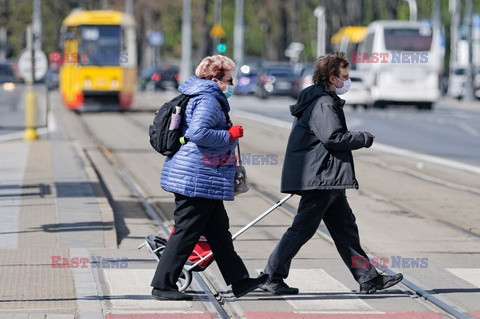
[(164, 139)]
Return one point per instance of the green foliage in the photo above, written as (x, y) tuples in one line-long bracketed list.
[(269, 24)]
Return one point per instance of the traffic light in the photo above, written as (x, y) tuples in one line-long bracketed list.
[(221, 47)]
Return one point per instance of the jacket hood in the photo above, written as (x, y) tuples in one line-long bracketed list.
[(310, 94), (196, 86)]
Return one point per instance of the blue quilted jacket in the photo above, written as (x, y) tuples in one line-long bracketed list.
[(196, 170)]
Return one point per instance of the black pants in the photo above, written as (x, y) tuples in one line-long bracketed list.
[(332, 206), (194, 217)]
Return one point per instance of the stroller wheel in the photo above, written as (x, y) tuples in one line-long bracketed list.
[(184, 280)]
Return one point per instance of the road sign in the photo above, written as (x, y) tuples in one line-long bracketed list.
[(25, 65), (155, 38), (217, 31)]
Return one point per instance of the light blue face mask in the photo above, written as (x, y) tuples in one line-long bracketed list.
[(229, 91)]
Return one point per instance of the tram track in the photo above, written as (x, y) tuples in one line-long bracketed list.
[(218, 302), (217, 299)]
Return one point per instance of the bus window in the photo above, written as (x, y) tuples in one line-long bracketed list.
[(407, 39), (101, 44), (369, 44)]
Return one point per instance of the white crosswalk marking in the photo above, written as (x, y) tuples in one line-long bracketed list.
[(472, 275), (130, 289), (318, 290)]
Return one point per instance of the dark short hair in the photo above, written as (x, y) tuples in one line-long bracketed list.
[(329, 64)]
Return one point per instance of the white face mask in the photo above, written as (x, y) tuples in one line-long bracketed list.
[(344, 88)]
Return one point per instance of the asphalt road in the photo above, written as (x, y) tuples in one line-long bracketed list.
[(449, 131), (405, 211)]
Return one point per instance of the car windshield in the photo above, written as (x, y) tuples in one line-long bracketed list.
[(408, 39), (101, 44), (5, 70)]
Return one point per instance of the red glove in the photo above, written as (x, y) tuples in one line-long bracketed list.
[(235, 131)]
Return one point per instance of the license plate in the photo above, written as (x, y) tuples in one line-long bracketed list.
[(284, 85)]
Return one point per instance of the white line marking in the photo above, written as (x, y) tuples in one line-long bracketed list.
[(326, 292), (375, 146), (467, 128), (472, 275)]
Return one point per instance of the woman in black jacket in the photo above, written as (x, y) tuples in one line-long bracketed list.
[(319, 167)]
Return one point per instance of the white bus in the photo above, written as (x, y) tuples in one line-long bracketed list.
[(401, 63)]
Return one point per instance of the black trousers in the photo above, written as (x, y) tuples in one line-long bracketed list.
[(332, 206), (193, 217)]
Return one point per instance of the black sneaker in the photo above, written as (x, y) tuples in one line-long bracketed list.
[(244, 286), (161, 294), (380, 282), (278, 287)]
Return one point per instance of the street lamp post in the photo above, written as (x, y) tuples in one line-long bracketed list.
[(238, 33), (319, 12), (469, 96), (412, 4), (186, 66)]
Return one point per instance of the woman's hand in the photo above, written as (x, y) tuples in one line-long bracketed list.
[(235, 131)]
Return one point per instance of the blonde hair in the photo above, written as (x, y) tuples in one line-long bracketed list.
[(214, 66)]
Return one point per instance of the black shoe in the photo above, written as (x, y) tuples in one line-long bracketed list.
[(244, 286), (161, 294), (278, 287), (380, 282)]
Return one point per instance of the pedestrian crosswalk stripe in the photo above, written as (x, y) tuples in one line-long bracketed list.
[(319, 290), (472, 275), (131, 290)]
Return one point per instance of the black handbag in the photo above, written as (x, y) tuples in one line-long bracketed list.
[(240, 185)]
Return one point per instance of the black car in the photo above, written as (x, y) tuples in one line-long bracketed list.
[(6, 73), (159, 77), (275, 80)]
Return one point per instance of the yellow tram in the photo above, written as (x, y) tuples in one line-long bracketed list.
[(99, 57)]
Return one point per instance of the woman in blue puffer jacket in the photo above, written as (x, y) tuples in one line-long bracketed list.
[(201, 176)]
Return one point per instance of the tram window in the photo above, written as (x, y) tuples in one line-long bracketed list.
[(101, 45)]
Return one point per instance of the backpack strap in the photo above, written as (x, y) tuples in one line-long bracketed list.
[(227, 117)]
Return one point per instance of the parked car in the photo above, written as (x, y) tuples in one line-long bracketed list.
[(246, 80), (6, 73), (358, 94), (458, 79), (51, 79), (303, 79), (159, 77), (476, 83), (275, 80), (456, 82)]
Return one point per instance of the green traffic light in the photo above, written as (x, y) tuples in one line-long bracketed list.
[(221, 48)]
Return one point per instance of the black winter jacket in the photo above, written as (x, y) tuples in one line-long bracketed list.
[(318, 154)]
